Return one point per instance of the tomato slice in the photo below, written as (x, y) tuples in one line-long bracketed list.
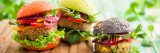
[(75, 20), (127, 40), (25, 21), (36, 24), (117, 39)]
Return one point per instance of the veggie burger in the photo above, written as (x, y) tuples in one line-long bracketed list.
[(111, 36), (37, 26), (77, 17)]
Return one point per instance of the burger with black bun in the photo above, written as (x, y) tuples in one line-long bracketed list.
[(112, 36), (37, 26)]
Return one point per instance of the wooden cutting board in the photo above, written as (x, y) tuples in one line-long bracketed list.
[(8, 45)]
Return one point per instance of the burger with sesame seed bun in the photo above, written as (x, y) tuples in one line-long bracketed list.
[(37, 26), (112, 36)]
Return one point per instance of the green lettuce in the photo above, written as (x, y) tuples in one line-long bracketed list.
[(75, 14), (42, 41)]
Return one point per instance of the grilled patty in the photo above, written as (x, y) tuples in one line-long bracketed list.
[(32, 33), (63, 22)]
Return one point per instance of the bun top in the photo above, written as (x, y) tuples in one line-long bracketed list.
[(112, 25), (34, 8), (84, 6)]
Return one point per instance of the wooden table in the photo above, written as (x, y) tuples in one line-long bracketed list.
[(8, 45)]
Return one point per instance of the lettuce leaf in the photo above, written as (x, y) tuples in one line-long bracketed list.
[(76, 14), (42, 41)]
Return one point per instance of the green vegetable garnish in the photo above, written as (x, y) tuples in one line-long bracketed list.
[(137, 33), (74, 36), (54, 12), (42, 41), (77, 15)]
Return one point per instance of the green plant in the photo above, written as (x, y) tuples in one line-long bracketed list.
[(137, 10), (10, 8)]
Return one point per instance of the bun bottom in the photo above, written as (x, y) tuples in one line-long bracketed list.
[(123, 47)]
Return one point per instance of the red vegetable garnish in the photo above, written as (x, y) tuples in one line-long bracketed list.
[(50, 21), (28, 20), (127, 40), (36, 24), (25, 21)]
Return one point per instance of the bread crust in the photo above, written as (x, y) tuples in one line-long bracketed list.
[(34, 8)]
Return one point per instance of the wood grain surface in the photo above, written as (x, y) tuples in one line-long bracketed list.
[(8, 45)]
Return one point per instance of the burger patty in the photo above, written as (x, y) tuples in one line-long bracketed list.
[(63, 22), (123, 47), (32, 33)]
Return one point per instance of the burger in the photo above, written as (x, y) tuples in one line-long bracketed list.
[(37, 26), (77, 17), (112, 36)]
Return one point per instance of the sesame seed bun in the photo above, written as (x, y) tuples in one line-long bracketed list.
[(34, 8), (112, 25)]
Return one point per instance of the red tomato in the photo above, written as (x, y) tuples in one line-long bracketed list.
[(25, 21), (79, 20), (117, 39), (127, 40), (36, 24)]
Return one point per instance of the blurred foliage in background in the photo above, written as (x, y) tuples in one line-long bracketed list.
[(9, 8), (137, 10)]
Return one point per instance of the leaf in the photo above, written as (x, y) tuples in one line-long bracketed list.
[(151, 18), (7, 2), (151, 28), (149, 4), (74, 37), (142, 35), (76, 15), (129, 11), (133, 6), (92, 19), (132, 19), (142, 12), (146, 43), (134, 50), (54, 12), (138, 28)]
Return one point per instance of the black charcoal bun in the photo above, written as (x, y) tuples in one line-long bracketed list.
[(113, 26)]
